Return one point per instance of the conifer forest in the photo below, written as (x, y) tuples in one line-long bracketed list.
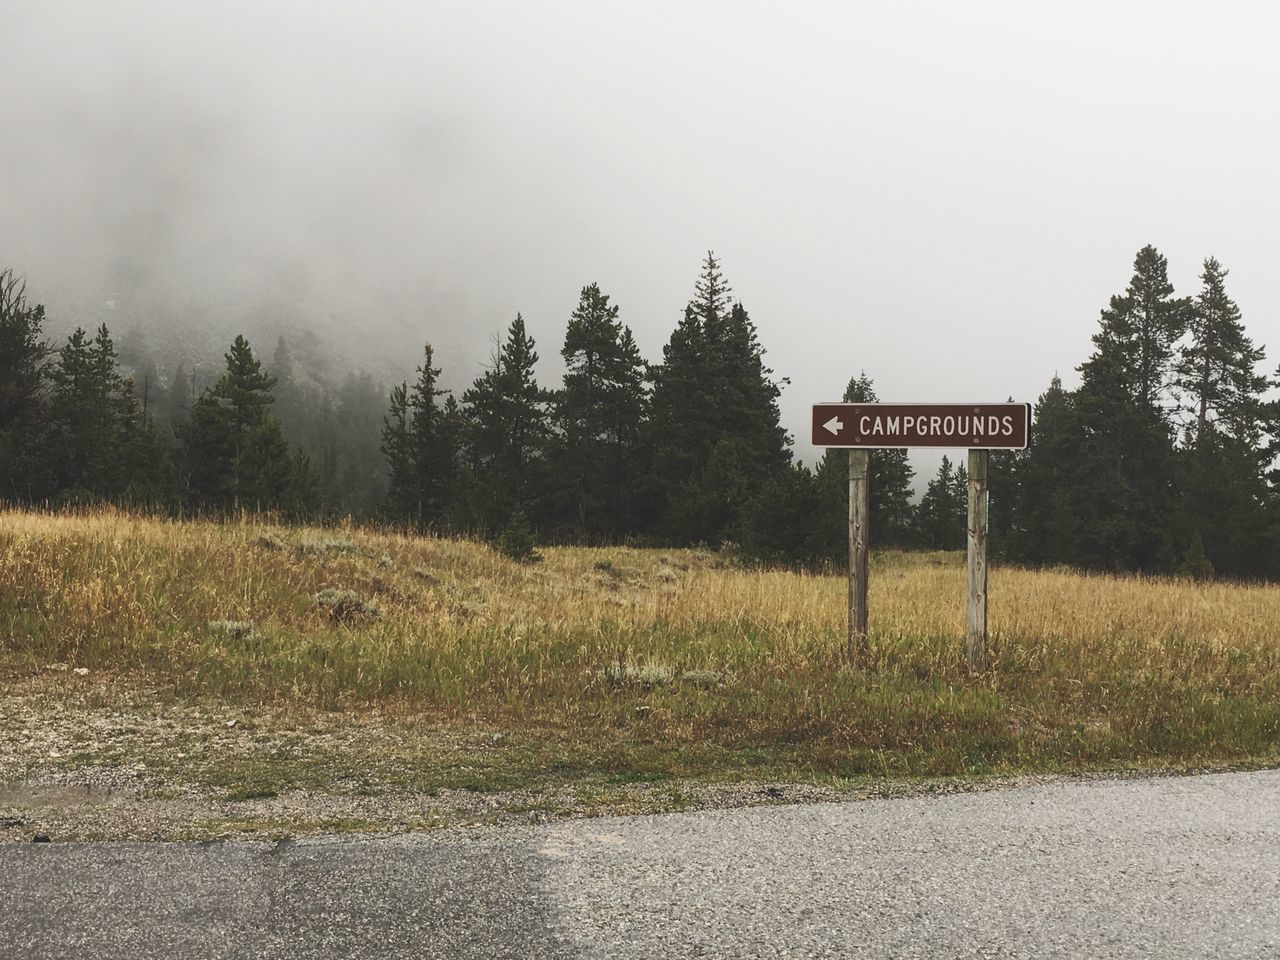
[(1163, 460)]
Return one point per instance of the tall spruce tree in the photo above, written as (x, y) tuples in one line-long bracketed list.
[(97, 442), (24, 360), (714, 434), (1143, 325), (1043, 527), (1126, 491), (599, 412), (508, 429), (84, 412), (397, 449), (1216, 370), (420, 443), (1223, 465), (434, 442), (942, 514), (234, 453)]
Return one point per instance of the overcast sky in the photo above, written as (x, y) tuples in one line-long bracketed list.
[(943, 194)]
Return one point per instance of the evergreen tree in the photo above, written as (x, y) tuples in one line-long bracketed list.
[(397, 448), (715, 435), (1226, 520), (1043, 527), (434, 450), (84, 416), (786, 521), (1126, 434), (599, 412), (234, 451), (420, 443), (1141, 326), (942, 517), (145, 467), (361, 480), (508, 429), (24, 357), (1216, 370), (289, 402), (245, 389)]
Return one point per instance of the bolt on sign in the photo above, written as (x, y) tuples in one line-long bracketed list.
[(975, 426), (863, 427)]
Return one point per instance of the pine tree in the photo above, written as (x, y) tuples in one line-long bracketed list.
[(715, 434), (508, 429), (941, 518), (1216, 370), (397, 448), (145, 469), (1044, 524), (245, 388), (289, 405), (1126, 434), (1222, 469), (85, 417), (233, 450), (599, 413), (24, 360), (360, 477), (1141, 327), (420, 443), (788, 522)]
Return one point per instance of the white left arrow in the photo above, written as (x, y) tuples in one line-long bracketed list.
[(834, 425)]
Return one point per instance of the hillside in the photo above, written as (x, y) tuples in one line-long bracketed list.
[(250, 662)]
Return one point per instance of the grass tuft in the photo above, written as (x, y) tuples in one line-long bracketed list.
[(234, 629), (644, 675), (346, 606)]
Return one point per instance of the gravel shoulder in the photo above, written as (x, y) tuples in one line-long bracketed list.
[(108, 762)]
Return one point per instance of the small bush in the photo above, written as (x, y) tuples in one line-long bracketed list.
[(346, 606), (234, 629), (704, 679), (517, 541), (272, 541), (426, 576), (645, 675), (1196, 565), (339, 545)]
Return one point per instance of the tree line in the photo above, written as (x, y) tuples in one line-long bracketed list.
[(1163, 460)]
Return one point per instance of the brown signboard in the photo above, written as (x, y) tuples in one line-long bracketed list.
[(976, 426)]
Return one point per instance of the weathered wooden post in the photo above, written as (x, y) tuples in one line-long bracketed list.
[(859, 551), (976, 635)]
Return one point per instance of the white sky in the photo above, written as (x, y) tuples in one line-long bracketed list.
[(941, 194)]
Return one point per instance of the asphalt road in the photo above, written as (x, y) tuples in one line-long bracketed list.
[(1160, 868)]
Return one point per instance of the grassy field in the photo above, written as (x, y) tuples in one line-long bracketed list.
[(642, 664)]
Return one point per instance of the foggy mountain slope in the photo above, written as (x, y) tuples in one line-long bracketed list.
[(921, 191)]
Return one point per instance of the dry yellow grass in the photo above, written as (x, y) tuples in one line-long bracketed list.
[(669, 649)]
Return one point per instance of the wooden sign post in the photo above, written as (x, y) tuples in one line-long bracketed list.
[(862, 427), (859, 551), (976, 634)]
